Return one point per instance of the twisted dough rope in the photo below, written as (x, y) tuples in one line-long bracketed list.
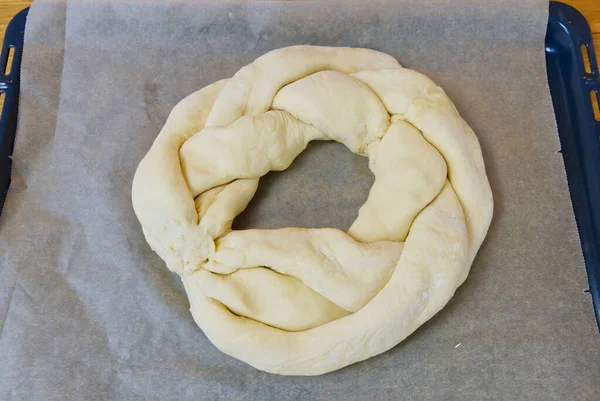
[(309, 301)]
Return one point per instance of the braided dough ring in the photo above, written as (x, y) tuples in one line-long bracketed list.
[(309, 301)]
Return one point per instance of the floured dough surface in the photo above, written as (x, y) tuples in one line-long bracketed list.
[(300, 301)]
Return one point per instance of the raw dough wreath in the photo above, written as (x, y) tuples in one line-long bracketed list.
[(299, 301)]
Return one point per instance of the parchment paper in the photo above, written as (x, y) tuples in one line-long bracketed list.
[(89, 312)]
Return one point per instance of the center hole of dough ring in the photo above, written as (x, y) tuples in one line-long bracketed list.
[(324, 187)]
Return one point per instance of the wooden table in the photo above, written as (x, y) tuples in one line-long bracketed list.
[(589, 8), (8, 9)]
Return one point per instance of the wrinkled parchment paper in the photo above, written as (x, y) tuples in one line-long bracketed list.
[(89, 312)]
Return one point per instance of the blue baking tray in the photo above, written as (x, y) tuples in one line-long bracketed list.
[(570, 86), (9, 88)]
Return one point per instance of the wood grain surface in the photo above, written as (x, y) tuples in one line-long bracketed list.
[(8, 9), (589, 8)]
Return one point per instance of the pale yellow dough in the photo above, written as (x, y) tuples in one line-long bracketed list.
[(299, 301)]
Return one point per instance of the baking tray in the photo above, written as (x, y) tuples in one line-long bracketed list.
[(570, 86), (9, 88)]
